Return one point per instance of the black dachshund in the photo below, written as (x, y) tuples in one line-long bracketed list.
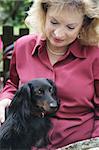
[(28, 122)]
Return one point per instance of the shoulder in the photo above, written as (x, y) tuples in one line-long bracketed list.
[(92, 51), (26, 40), (27, 43)]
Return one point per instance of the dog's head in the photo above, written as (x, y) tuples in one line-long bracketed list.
[(37, 97), (43, 95)]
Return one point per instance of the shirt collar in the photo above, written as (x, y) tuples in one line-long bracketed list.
[(40, 42), (77, 49)]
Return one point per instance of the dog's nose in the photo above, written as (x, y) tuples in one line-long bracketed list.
[(53, 105)]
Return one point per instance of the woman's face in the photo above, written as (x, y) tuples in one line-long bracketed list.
[(62, 28)]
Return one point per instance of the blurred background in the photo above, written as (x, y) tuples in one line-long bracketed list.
[(13, 12), (12, 26)]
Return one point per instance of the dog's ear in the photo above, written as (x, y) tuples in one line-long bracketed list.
[(55, 90), (53, 84), (22, 101)]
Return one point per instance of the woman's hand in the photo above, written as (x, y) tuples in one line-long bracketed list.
[(3, 104)]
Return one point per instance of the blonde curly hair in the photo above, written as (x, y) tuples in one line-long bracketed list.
[(89, 33)]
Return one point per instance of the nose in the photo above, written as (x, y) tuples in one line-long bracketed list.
[(53, 104), (60, 33)]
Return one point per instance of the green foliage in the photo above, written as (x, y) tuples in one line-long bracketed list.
[(14, 12)]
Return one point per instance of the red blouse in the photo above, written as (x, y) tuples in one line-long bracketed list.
[(76, 75)]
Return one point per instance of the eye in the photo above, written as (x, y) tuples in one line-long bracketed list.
[(54, 22), (39, 92), (70, 27), (51, 90)]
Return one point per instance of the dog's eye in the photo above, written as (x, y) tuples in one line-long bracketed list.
[(39, 92), (51, 90)]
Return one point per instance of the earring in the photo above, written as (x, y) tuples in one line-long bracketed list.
[(79, 36)]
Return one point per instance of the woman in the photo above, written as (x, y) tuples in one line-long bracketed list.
[(66, 51)]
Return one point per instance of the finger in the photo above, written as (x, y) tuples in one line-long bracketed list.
[(2, 118)]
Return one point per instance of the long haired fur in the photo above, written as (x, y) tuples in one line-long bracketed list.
[(28, 122)]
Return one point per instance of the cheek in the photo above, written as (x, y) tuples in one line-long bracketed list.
[(47, 28), (73, 34), (48, 31)]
